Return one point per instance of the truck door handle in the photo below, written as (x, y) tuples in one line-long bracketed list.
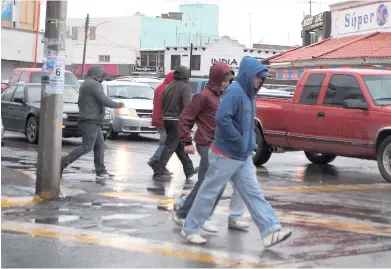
[(321, 114)]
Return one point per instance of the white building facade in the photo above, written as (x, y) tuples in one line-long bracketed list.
[(223, 50)]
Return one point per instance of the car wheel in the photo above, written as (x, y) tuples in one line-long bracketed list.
[(320, 158), (32, 130), (261, 154), (111, 134), (384, 159)]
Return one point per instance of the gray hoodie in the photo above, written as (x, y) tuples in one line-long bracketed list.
[(92, 99)]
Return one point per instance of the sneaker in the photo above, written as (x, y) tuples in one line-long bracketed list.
[(193, 238), (168, 172), (177, 220), (238, 225), (161, 177), (277, 237), (194, 172), (209, 227), (104, 175)]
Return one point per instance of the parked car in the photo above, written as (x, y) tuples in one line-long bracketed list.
[(197, 84), (20, 110), (138, 99), (333, 112), (2, 131), (33, 75), (152, 82)]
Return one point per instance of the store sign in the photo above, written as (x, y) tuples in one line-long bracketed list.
[(314, 22), (147, 69), (364, 18), (229, 61)]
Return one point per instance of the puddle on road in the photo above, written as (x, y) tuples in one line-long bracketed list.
[(124, 217), (57, 220)]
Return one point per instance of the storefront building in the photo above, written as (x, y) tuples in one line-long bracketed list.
[(360, 37)]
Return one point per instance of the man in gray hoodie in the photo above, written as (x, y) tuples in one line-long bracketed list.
[(92, 109)]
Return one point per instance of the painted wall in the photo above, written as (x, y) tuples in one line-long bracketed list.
[(156, 33), (361, 19)]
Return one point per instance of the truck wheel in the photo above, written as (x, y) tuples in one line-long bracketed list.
[(111, 134), (384, 159), (320, 158), (32, 130), (262, 154)]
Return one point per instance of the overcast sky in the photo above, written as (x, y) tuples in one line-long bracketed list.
[(273, 21)]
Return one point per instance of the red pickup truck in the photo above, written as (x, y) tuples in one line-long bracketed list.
[(333, 112)]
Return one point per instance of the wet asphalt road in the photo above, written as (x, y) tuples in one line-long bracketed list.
[(340, 214)]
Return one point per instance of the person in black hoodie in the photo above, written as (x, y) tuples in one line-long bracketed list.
[(176, 96)]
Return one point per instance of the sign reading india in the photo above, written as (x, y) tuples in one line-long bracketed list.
[(231, 62)]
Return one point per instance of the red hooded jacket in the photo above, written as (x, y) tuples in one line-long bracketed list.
[(202, 109), (157, 113)]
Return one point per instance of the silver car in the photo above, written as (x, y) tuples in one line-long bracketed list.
[(136, 117)]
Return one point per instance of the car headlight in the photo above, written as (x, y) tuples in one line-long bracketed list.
[(130, 112), (64, 115)]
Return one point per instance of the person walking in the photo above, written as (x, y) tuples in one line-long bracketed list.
[(92, 109), (176, 96), (201, 110), (230, 159), (157, 120)]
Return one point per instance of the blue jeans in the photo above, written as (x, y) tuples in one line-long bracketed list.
[(158, 152), (242, 175)]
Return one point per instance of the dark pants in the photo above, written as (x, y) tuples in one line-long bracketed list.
[(203, 151), (92, 138), (172, 145)]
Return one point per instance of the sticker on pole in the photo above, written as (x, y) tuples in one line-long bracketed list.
[(55, 67)]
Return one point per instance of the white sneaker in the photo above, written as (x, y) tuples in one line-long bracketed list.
[(209, 227), (277, 237), (177, 220), (193, 238), (238, 225)]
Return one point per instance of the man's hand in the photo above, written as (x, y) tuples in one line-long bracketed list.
[(121, 105), (189, 149)]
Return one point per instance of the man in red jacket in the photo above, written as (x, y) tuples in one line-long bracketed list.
[(157, 119), (202, 110)]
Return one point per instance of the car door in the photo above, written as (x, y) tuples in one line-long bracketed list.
[(342, 131), (6, 97), (19, 109), (303, 120)]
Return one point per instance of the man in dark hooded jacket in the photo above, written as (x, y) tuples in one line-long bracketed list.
[(92, 109), (176, 96)]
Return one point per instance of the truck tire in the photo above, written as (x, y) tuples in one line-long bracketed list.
[(32, 130), (262, 153), (384, 158), (320, 158)]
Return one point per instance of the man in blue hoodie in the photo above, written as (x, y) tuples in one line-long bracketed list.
[(230, 159)]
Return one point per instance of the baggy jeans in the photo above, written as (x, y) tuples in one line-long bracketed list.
[(163, 136), (173, 144), (243, 176), (92, 139), (236, 206)]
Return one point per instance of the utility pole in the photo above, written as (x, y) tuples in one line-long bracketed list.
[(86, 28), (191, 59), (251, 42), (50, 132)]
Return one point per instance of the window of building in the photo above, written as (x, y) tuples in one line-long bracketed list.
[(104, 58), (19, 93), (152, 58), (175, 61), (341, 88), (144, 58), (24, 77), (75, 33), (7, 94), (196, 62), (311, 89), (93, 33), (161, 59)]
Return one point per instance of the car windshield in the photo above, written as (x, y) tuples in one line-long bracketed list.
[(70, 79), (152, 84), (130, 92), (379, 88), (70, 96)]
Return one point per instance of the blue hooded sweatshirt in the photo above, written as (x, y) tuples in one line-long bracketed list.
[(235, 136)]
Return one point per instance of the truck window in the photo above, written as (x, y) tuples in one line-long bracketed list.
[(341, 88), (15, 77), (311, 89), (24, 77)]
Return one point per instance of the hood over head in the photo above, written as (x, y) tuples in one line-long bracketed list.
[(181, 73), (169, 78), (249, 68), (97, 72), (218, 72)]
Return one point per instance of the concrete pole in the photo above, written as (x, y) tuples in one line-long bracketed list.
[(191, 59), (51, 115), (86, 27)]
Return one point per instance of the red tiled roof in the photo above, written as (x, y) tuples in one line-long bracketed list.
[(371, 45)]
